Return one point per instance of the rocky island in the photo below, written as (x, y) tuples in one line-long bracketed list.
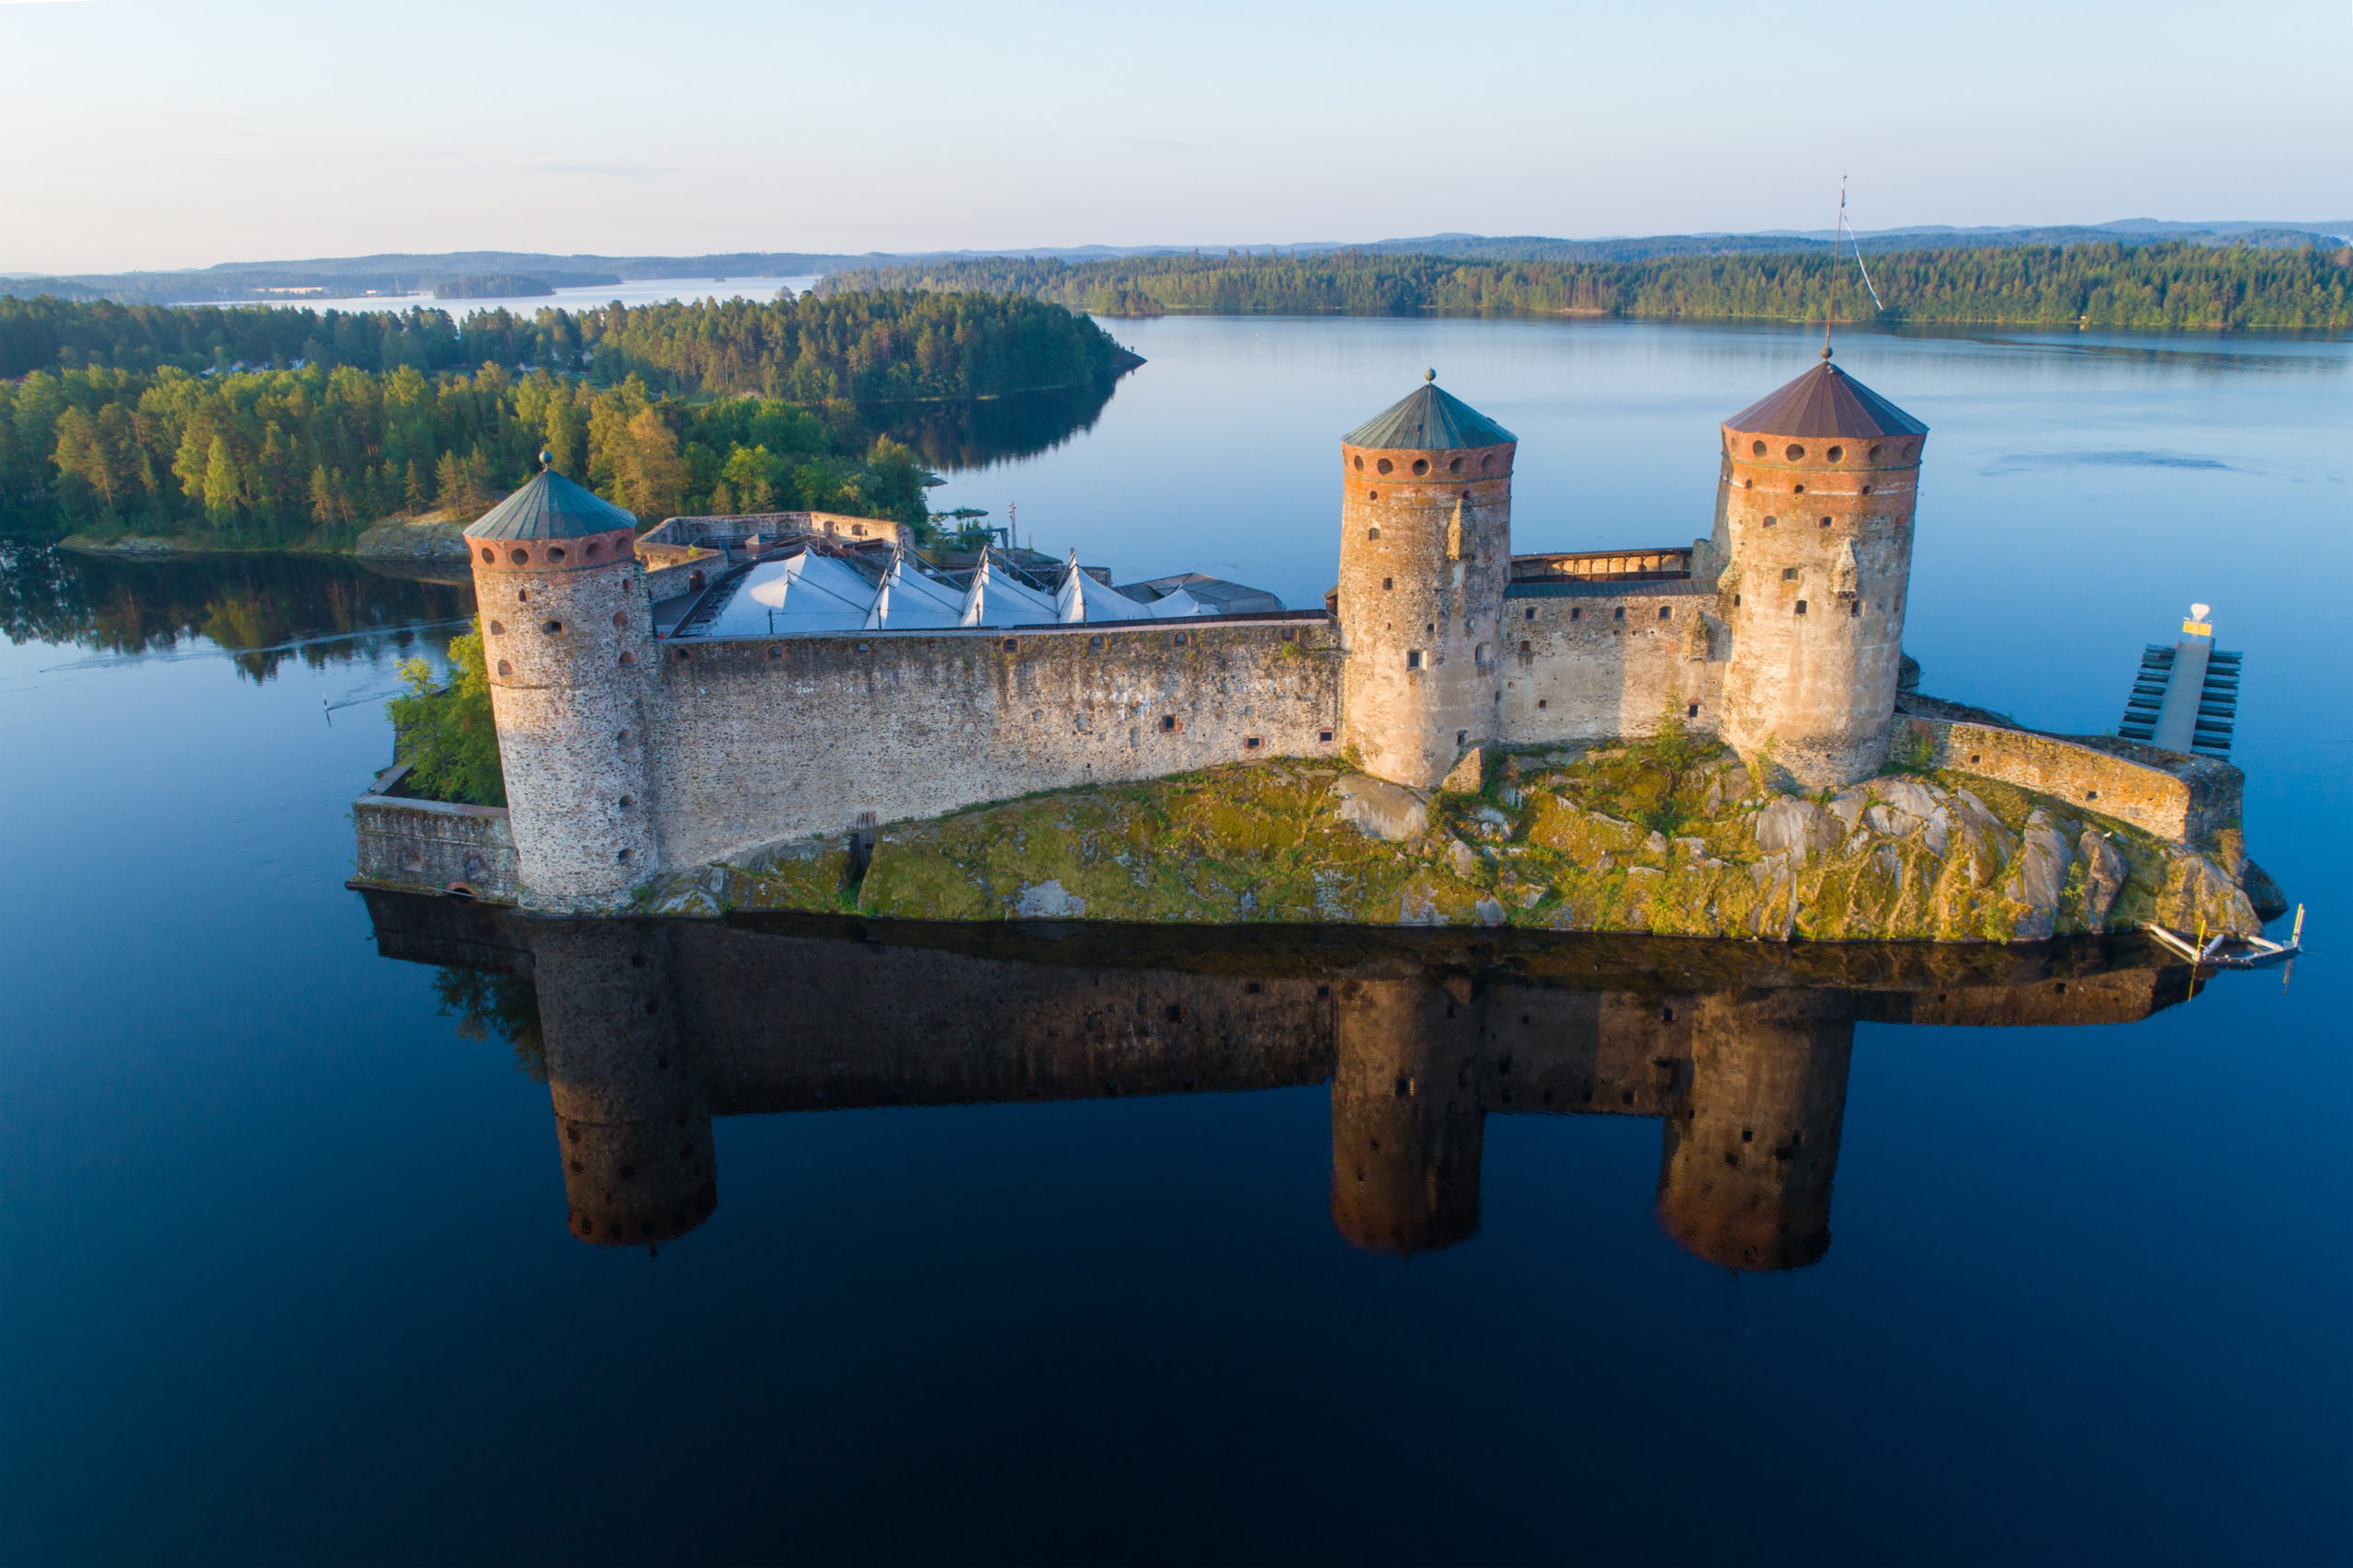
[(804, 713)]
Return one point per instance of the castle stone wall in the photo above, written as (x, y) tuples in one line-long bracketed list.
[(433, 846), (759, 739), (1590, 662), (2189, 807)]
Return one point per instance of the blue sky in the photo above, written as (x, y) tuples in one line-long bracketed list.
[(175, 133)]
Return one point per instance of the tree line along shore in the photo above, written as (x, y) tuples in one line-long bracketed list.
[(256, 427), (2170, 286)]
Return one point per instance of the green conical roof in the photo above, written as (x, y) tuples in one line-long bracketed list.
[(551, 507), (1429, 420)]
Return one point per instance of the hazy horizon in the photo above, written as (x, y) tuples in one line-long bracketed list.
[(9, 271), (168, 136)]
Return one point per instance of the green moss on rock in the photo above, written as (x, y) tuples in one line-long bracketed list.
[(1628, 838)]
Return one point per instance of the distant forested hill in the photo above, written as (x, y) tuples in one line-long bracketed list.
[(254, 426), (2168, 284), (866, 347)]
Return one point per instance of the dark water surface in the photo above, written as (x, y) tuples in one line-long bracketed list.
[(1088, 1246)]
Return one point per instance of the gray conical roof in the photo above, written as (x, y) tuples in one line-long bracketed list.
[(551, 507), (1826, 400), (1429, 420)]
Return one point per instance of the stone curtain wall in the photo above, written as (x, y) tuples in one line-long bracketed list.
[(757, 740), (431, 847), (2187, 810), (1593, 661)]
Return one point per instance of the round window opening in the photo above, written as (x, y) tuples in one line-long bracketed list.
[(497, 629), (1486, 462), (1359, 463), (1837, 454), (619, 618), (491, 556), (1874, 453), (596, 548), (552, 627), (1757, 448), (504, 668), (1384, 465), (1454, 467), (520, 557), (1421, 466), (1794, 452), (555, 552)]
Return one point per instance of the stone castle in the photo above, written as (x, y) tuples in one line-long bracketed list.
[(721, 683)]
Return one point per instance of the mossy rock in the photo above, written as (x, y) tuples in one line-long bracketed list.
[(1647, 837)]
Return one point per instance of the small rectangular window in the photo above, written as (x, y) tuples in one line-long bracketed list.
[(1528, 647), (1665, 612), (1325, 736), (1531, 615), (1250, 745), (1576, 612), (1413, 658), (1801, 607), (1621, 614)]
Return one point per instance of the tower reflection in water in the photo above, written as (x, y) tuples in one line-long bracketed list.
[(651, 1029)]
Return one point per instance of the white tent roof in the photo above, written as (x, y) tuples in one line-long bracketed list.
[(999, 598), (1081, 597), (814, 591)]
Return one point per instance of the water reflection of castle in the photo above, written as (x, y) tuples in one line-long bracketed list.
[(653, 1029)]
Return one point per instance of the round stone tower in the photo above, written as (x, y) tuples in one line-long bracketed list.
[(1407, 1127), (632, 1116), (1425, 557), (1745, 1174), (1813, 522), (568, 638)]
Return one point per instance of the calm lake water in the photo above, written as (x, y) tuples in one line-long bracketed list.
[(629, 291), (1091, 1246)]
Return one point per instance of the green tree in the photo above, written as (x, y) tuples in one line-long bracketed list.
[(446, 734), (222, 489)]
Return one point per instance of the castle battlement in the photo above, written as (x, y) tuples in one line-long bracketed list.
[(727, 682)]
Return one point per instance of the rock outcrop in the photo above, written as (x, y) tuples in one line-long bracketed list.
[(1620, 839)]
